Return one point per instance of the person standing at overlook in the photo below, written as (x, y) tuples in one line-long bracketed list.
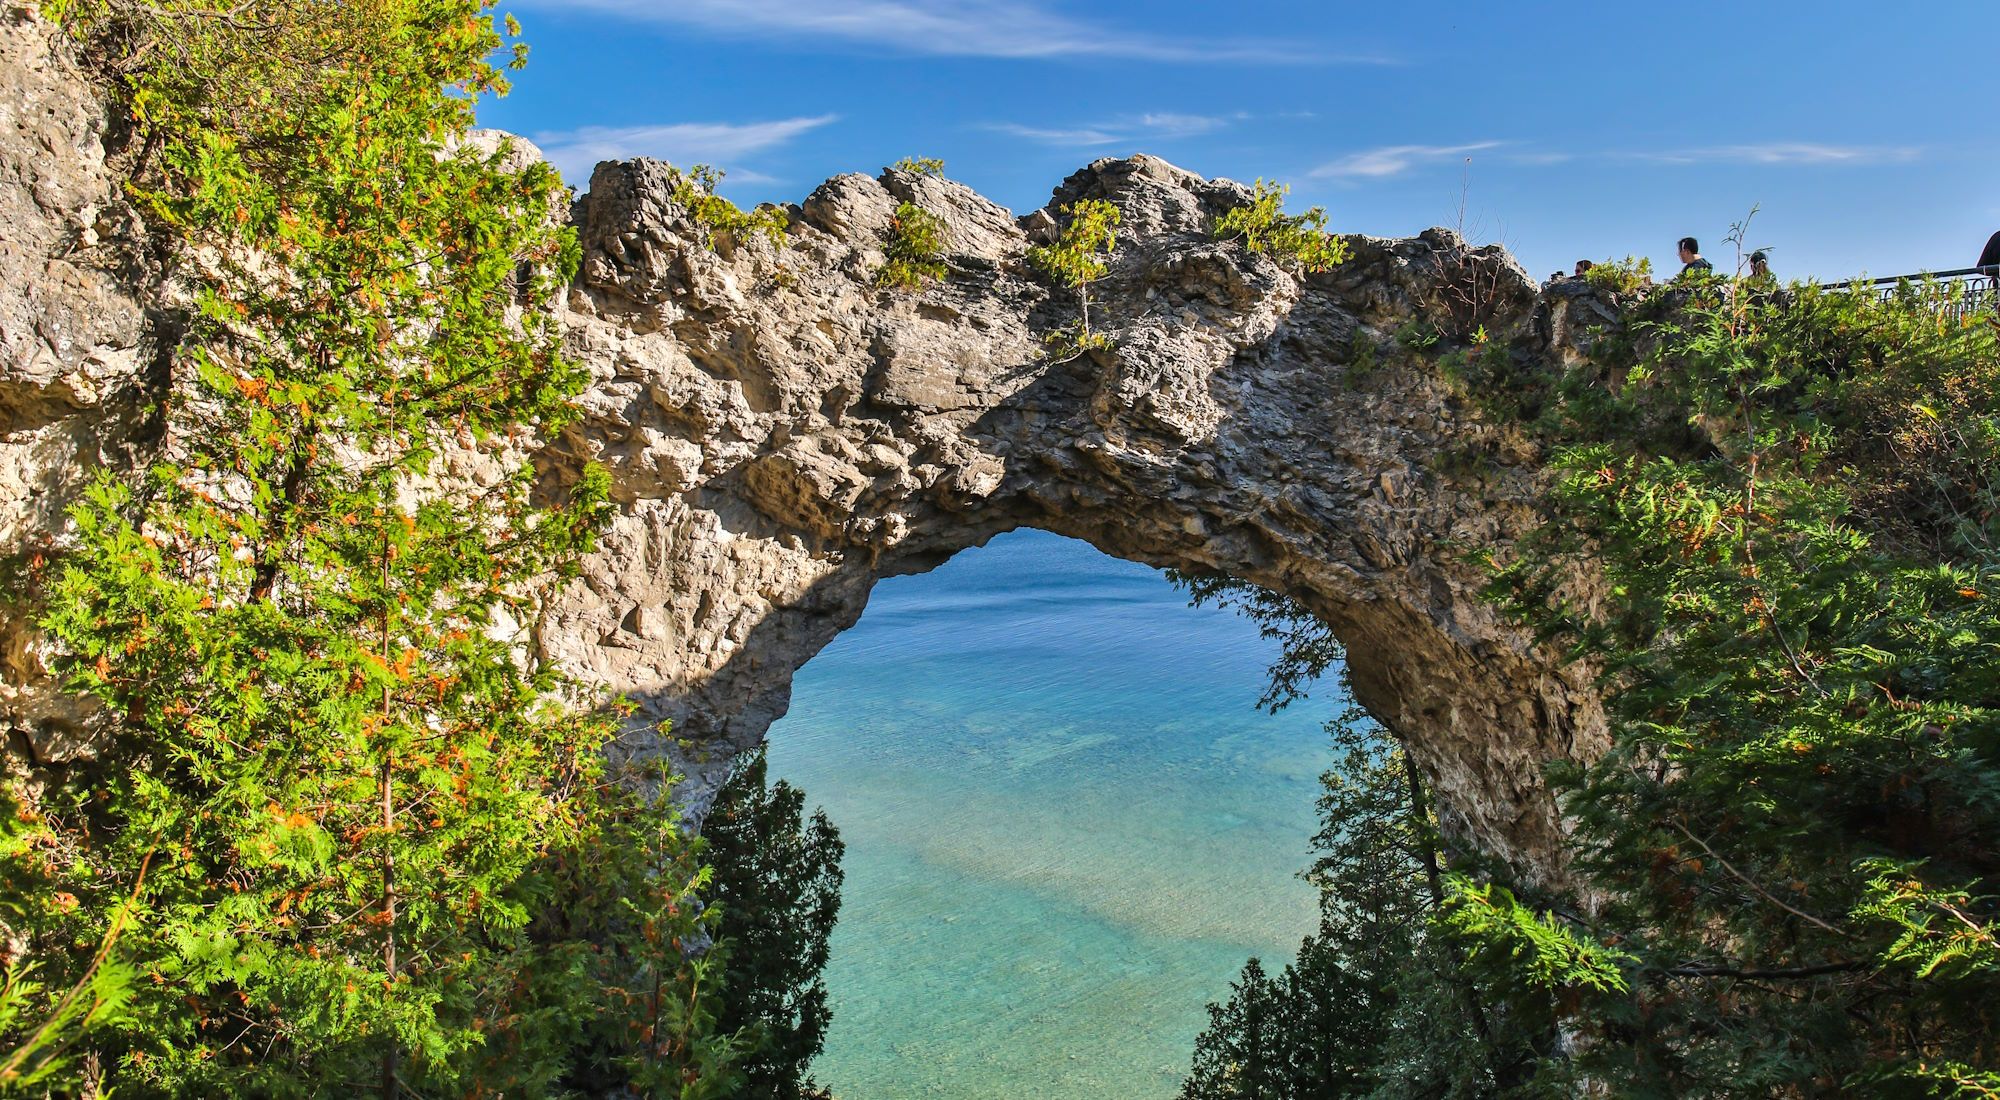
[(1989, 266), (1691, 261)]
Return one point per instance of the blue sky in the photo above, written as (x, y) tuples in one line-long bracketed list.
[(1867, 134)]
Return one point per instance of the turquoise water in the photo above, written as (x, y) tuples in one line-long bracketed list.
[(1067, 825)]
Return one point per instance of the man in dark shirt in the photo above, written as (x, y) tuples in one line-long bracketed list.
[(1989, 265), (1691, 261)]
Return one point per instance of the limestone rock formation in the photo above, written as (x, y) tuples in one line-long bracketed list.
[(72, 333), (782, 434)]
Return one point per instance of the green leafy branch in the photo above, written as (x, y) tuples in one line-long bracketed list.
[(695, 191), (920, 166), (1502, 933), (1626, 276), (1076, 260), (1263, 226), (1941, 932), (914, 250)]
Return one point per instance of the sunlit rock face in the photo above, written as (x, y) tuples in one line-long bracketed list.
[(782, 433), (73, 339)]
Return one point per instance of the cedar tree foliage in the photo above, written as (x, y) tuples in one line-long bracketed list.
[(345, 832)]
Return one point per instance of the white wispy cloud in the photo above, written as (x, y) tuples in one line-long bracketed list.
[(1153, 126), (1168, 124), (1784, 153), (1390, 161), (723, 144), (1083, 136), (958, 28), (1394, 160)]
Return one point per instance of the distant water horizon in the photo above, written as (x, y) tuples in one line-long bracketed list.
[(1067, 825)]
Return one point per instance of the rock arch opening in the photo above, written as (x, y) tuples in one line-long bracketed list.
[(1067, 824), (782, 433)]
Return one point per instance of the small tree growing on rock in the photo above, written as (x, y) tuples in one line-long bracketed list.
[(1263, 226), (920, 166), (914, 250), (695, 190), (1076, 260), (1627, 276)]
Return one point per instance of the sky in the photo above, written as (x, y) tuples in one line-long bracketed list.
[(1866, 137)]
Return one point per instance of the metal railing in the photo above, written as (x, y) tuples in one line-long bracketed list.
[(1957, 294)]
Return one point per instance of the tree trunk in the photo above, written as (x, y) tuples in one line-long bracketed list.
[(1420, 819), (391, 1084), (289, 495)]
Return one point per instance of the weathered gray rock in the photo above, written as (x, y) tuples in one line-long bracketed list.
[(782, 434), (72, 328)]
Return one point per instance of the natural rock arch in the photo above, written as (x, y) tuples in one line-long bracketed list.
[(782, 434)]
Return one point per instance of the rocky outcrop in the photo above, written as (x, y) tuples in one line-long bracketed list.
[(782, 434), (73, 332)]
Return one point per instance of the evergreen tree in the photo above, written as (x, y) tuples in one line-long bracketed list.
[(1792, 839), (777, 885), (1786, 861), (339, 800), (1243, 1050), (1374, 1004)]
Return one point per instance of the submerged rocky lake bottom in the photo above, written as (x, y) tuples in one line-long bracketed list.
[(1067, 824)]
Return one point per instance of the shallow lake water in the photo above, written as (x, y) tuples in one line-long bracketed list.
[(1067, 824)]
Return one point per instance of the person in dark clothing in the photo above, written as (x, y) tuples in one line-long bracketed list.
[(1760, 266), (1691, 261), (1989, 263), (1582, 266), (1989, 257)]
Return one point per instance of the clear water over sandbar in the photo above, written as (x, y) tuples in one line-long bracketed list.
[(1067, 824)]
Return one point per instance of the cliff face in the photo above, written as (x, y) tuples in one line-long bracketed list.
[(782, 434), (73, 334)]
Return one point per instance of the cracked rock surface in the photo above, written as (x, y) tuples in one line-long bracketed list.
[(73, 329), (782, 434)]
